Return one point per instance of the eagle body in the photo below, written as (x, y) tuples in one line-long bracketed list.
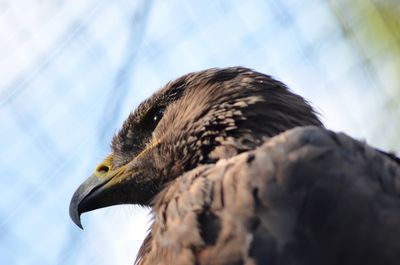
[(282, 203), (237, 169)]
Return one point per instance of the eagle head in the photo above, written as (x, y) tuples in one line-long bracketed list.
[(197, 119)]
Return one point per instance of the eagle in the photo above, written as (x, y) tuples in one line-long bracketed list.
[(237, 169)]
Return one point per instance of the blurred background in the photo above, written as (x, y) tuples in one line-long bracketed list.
[(71, 71)]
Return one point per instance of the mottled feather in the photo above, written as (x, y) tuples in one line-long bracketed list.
[(307, 196)]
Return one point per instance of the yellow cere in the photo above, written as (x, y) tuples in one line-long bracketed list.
[(103, 168)]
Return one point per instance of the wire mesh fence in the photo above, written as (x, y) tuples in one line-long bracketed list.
[(71, 71)]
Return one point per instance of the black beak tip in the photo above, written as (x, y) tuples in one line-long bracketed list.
[(74, 212)]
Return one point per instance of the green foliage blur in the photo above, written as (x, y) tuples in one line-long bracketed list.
[(373, 27)]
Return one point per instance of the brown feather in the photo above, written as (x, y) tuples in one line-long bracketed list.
[(307, 196)]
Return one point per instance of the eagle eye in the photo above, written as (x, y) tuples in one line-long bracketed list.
[(158, 115), (154, 117)]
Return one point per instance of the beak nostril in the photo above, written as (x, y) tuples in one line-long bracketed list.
[(103, 169)]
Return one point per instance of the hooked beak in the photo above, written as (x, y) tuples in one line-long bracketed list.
[(103, 188)]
